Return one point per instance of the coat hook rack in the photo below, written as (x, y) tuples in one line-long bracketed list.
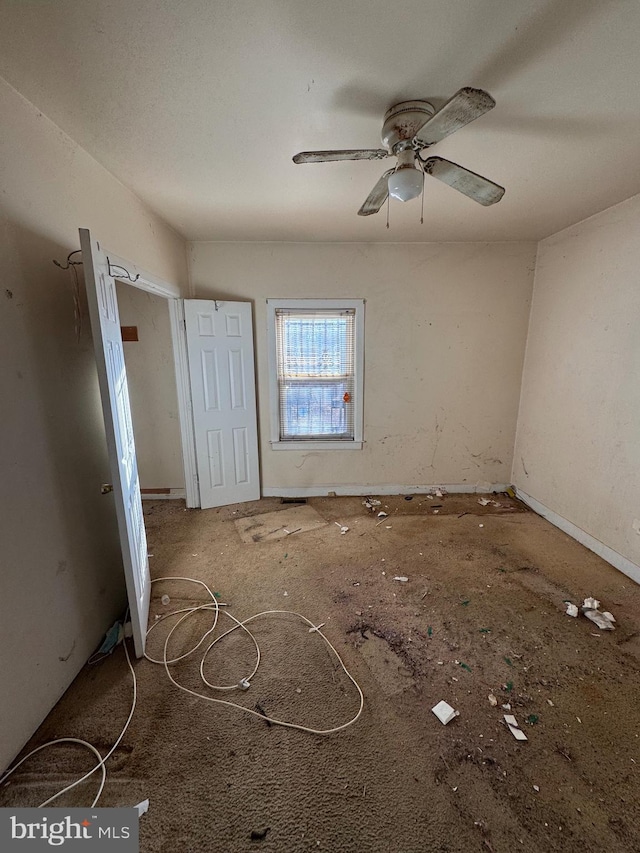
[(126, 272), (69, 262)]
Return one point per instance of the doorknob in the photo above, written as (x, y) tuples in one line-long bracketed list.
[(105, 488)]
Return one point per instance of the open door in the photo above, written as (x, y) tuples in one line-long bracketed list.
[(107, 340), (221, 369)]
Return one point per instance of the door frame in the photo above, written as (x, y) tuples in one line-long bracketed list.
[(150, 283)]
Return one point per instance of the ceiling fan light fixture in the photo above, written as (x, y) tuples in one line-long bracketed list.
[(405, 183), (408, 128)]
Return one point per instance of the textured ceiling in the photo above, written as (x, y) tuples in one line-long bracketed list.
[(198, 106)]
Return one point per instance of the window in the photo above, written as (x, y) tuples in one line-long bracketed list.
[(316, 367)]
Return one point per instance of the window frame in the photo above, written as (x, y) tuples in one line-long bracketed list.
[(306, 444)]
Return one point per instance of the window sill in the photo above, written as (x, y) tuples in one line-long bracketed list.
[(316, 444)]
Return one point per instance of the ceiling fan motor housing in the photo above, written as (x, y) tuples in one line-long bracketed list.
[(402, 122)]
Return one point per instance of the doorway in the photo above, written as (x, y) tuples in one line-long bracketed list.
[(146, 334)]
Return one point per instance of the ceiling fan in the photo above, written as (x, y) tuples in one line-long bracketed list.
[(408, 128)]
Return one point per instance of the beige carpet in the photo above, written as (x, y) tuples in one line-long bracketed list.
[(481, 613)]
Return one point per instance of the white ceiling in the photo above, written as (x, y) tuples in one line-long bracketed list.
[(199, 105)]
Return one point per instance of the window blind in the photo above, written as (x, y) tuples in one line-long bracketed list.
[(315, 352)]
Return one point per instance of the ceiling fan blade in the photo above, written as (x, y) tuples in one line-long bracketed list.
[(475, 186), (466, 105), (328, 156), (376, 197)]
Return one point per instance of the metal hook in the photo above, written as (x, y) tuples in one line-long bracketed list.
[(70, 263), (126, 272)]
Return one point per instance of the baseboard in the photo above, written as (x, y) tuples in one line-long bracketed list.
[(321, 491), (616, 560), (163, 494)]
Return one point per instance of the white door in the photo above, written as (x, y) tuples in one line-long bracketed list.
[(220, 350), (105, 325)]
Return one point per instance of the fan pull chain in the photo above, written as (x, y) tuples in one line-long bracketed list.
[(388, 205), (422, 200)]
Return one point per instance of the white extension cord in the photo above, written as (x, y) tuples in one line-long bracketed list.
[(245, 682), (243, 685), (101, 761)]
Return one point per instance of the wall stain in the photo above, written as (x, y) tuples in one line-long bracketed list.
[(439, 429), (304, 459), (66, 657)]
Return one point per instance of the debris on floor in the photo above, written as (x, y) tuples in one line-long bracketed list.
[(259, 834), (444, 712), (492, 700), (269, 526), (370, 503), (603, 620), (112, 638), (488, 502), (343, 528), (486, 833), (514, 728), (142, 807), (401, 578)]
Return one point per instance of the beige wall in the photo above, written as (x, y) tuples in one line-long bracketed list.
[(578, 442), (152, 388), (61, 574), (445, 333)]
